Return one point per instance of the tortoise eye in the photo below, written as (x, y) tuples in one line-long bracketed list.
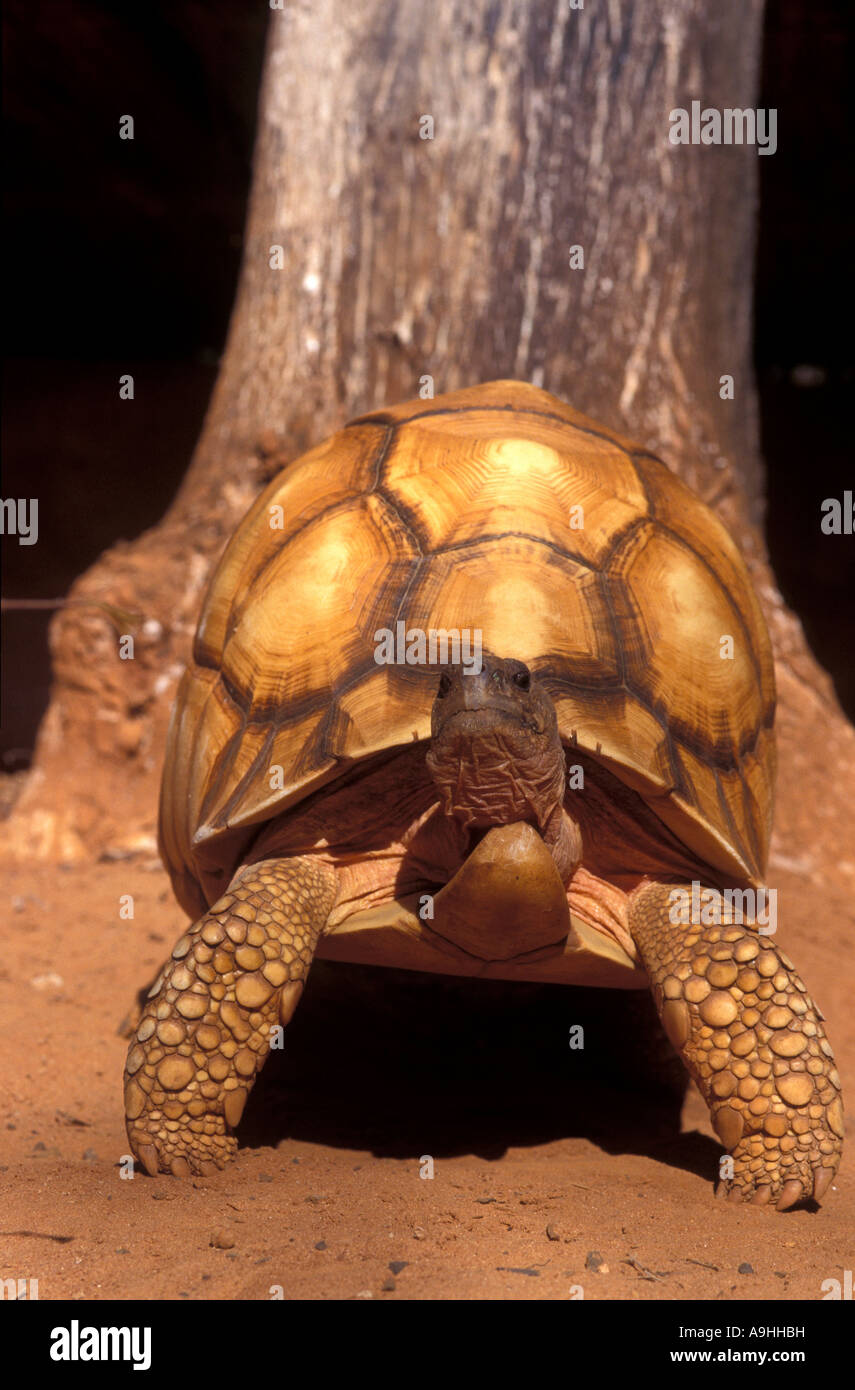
[(444, 685), (522, 679)]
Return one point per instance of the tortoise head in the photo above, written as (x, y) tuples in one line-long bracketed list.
[(496, 754)]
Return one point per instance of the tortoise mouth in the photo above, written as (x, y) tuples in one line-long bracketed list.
[(488, 718)]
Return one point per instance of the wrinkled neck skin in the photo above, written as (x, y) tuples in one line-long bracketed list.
[(491, 768)]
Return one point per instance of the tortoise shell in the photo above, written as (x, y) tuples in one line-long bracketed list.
[(497, 509)]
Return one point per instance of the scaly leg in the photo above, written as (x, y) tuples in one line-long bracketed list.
[(749, 1034), (205, 1032)]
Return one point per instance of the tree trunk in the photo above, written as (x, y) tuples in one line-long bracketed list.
[(450, 256)]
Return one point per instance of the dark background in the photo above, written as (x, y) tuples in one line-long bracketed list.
[(122, 256)]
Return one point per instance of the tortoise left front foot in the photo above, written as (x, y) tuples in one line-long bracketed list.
[(750, 1036)]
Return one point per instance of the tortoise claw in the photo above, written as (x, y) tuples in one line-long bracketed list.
[(791, 1193), (147, 1155), (822, 1182)]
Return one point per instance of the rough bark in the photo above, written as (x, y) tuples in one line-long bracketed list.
[(449, 257)]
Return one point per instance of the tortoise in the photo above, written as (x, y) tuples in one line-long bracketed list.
[(480, 687)]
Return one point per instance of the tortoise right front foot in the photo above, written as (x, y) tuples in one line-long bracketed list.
[(206, 1030)]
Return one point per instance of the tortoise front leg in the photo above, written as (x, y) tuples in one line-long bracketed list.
[(752, 1039), (205, 1032)]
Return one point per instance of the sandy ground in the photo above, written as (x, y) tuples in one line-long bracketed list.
[(549, 1175)]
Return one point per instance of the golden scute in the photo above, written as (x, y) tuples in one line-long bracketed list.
[(497, 509)]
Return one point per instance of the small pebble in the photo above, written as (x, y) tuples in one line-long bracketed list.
[(397, 1265), (320, 1245), (221, 1240), (388, 1285), (419, 1233), (364, 1293), (594, 1260), (552, 1233), (264, 1177), (745, 1268), (49, 981)]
